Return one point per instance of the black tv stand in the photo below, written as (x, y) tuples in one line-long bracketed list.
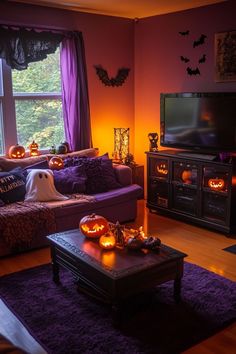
[(195, 155)]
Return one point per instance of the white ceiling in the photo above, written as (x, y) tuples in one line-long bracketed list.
[(123, 8)]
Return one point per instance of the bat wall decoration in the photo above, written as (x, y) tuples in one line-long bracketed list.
[(120, 78), (184, 59), (202, 59), (199, 41), (185, 33), (191, 71)]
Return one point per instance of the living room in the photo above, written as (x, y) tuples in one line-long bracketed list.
[(151, 48)]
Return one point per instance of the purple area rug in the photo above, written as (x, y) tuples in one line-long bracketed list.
[(68, 322)]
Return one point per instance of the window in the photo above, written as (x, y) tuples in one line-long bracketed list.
[(35, 95)]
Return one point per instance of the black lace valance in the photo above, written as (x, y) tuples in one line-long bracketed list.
[(19, 47)]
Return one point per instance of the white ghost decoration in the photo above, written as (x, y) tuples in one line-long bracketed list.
[(40, 187)]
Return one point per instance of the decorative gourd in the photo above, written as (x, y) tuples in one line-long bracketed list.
[(187, 176), (67, 146), (216, 183), (134, 243), (93, 226), (16, 151), (56, 163), (62, 149), (107, 241), (162, 169), (34, 149)]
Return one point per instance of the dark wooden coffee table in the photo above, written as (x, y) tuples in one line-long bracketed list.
[(115, 275)]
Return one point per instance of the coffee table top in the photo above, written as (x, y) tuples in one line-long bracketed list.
[(115, 263)]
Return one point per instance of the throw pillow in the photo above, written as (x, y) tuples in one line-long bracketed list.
[(12, 186), (40, 186), (70, 180)]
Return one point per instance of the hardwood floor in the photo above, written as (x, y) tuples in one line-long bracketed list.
[(204, 248)]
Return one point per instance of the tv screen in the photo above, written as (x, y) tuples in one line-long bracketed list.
[(201, 121)]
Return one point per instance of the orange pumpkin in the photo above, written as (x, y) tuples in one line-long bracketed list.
[(34, 149), (93, 226), (216, 183), (187, 176), (56, 163), (107, 241), (162, 169), (16, 152)]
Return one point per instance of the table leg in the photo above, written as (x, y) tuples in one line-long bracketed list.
[(55, 270), (177, 290)]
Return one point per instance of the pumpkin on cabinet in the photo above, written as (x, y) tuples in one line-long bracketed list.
[(94, 226)]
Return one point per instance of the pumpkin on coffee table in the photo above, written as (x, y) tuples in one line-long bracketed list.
[(93, 226)]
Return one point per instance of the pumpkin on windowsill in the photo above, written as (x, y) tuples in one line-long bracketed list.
[(93, 226), (16, 152), (33, 147)]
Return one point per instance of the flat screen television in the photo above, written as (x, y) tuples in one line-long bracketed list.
[(198, 121)]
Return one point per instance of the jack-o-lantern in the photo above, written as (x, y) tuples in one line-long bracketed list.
[(16, 151), (56, 163), (216, 184), (34, 149), (107, 241), (162, 169), (93, 226), (187, 176)]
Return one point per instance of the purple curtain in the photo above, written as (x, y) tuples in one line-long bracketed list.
[(75, 99)]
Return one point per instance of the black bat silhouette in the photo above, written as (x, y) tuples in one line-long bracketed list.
[(191, 71), (200, 40), (202, 59), (185, 59), (184, 33), (114, 81)]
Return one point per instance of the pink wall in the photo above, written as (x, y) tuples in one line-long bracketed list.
[(158, 68), (108, 42)]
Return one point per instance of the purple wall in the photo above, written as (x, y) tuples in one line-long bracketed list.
[(158, 68)]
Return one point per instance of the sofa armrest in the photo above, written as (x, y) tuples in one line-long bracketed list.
[(123, 174)]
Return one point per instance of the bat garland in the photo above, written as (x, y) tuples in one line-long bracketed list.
[(120, 78), (200, 41)]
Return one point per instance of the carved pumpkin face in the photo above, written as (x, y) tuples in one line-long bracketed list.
[(56, 163), (34, 149), (216, 183), (93, 226), (16, 152), (162, 169), (107, 241)]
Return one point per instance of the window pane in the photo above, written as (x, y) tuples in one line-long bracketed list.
[(41, 76), (39, 120)]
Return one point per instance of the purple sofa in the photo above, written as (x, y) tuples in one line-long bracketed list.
[(116, 205)]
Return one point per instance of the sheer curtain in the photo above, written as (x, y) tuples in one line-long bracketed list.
[(75, 98), (21, 46)]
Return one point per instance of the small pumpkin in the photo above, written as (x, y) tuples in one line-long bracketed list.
[(107, 241), (33, 147), (56, 163), (187, 176), (216, 183), (93, 226), (16, 151), (134, 243), (62, 149)]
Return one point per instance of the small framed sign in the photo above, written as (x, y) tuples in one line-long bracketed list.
[(225, 56)]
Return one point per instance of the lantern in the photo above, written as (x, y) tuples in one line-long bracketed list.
[(34, 149), (216, 183), (56, 163), (93, 225), (107, 241), (162, 169), (16, 152)]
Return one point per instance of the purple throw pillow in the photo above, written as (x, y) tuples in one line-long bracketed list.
[(70, 180)]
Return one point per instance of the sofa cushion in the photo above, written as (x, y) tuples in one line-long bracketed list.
[(70, 180), (40, 186), (12, 186), (91, 152), (8, 164)]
